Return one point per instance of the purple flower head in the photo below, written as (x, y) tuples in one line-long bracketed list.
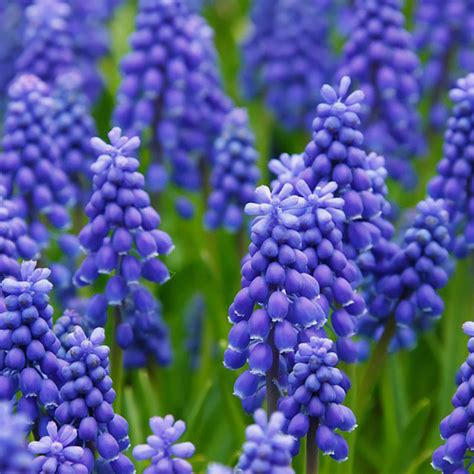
[(15, 241), (407, 281), (73, 127), (454, 180), (30, 165), (48, 48), (444, 31), (278, 298), (457, 429), (266, 448), (162, 448), (122, 240), (287, 168), (64, 326), (316, 391), (235, 173), (171, 85), (87, 399), (380, 58), (14, 455), (287, 54), (28, 346)]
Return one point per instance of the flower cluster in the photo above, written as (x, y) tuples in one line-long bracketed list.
[(48, 48), (171, 86), (444, 31), (14, 239), (335, 154), (30, 165), (287, 55), (317, 389), (278, 296), (380, 57), (122, 239), (235, 173), (406, 284), (65, 325), (266, 448), (455, 455), (454, 182), (72, 129), (162, 448), (87, 397), (14, 456), (55, 452), (29, 363)]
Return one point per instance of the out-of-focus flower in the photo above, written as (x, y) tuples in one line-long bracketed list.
[(122, 240), (316, 391), (171, 86), (406, 284), (30, 164), (443, 32), (457, 429), (234, 174), (454, 182), (286, 57), (380, 58), (266, 448), (162, 449), (14, 455)]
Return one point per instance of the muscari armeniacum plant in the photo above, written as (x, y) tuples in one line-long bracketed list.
[(287, 54), (163, 450), (404, 291), (234, 173), (380, 58), (336, 154), (29, 362), (454, 182), (278, 297), (30, 166), (87, 396), (122, 240), (454, 456), (171, 89), (443, 33)]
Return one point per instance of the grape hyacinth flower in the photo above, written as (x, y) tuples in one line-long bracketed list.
[(87, 399), (122, 240), (30, 166), (48, 48), (171, 86), (15, 242), (455, 455), (316, 391), (162, 449), (287, 55), (56, 453), (379, 56), (64, 326), (14, 455), (278, 296), (72, 128), (266, 448), (454, 182), (234, 174), (443, 30), (406, 285), (29, 363)]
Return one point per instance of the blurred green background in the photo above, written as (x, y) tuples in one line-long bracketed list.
[(399, 429)]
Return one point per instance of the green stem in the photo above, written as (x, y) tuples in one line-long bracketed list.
[(273, 394), (374, 367), (312, 451)]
